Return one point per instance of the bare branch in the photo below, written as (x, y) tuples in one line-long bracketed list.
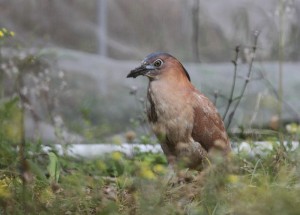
[(256, 34), (237, 51)]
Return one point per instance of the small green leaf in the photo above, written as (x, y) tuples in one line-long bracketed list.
[(53, 167)]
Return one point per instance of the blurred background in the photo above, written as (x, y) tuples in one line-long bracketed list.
[(65, 63)]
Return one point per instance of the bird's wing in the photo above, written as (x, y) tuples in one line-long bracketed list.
[(208, 126)]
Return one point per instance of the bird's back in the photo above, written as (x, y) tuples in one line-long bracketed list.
[(208, 127)]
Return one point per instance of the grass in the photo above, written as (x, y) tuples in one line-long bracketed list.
[(116, 184)]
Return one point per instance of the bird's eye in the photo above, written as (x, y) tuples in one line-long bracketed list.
[(158, 63)]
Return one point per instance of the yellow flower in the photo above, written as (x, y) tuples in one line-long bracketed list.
[(116, 156), (46, 196), (4, 191), (293, 128), (12, 33), (1, 34), (4, 30), (232, 178), (160, 169), (146, 173)]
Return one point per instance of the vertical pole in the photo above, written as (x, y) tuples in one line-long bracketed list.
[(102, 32), (195, 16), (281, 58)]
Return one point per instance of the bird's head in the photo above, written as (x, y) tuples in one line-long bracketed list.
[(158, 65)]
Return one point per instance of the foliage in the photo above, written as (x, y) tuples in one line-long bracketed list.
[(143, 184)]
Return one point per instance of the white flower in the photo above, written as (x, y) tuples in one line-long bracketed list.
[(22, 55), (63, 85), (3, 66), (61, 74), (45, 87), (58, 121), (48, 79), (24, 91), (15, 70)]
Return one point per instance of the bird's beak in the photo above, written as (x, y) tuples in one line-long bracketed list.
[(141, 70)]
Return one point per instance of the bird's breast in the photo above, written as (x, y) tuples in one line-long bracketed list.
[(170, 115)]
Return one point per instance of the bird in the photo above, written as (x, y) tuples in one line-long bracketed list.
[(185, 122)]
